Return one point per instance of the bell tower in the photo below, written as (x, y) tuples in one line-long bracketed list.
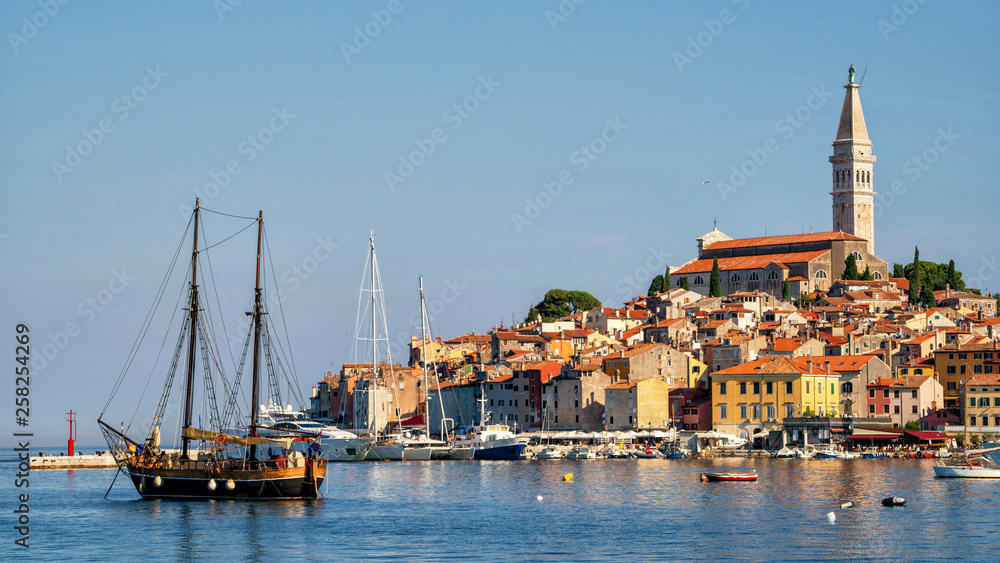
[(853, 163)]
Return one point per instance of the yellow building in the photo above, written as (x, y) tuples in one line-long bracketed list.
[(755, 396), (696, 371), (641, 404)]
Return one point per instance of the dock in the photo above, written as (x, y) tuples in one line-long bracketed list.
[(81, 461)]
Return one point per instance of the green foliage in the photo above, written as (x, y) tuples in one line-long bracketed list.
[(559, 303), (803, 302), (851, 268), (684, 284), (975, 439), (656, 286), (532, 315), (915, 277), (786, 291), (912, 425), (927, 298), (867, 274), (898, 271), (666, 280), (808, 413), (715, 280)]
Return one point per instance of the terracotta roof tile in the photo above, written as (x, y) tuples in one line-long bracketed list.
[(747, 262), (783, 239)]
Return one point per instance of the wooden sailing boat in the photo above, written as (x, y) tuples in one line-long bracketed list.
[(219, 462)]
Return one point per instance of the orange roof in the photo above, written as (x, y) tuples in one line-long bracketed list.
[(774, 365), (748, 262), (784, 239)]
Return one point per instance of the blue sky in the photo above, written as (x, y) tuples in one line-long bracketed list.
[(499, 101)]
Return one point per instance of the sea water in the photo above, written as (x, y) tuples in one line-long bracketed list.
[(624, 510)]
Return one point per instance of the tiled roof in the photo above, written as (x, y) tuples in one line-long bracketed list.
[(747, 262), (784, 239), (774, 365)]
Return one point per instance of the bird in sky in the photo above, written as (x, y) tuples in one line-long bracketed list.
[(706, 181)]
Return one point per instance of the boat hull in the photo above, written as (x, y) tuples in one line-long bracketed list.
[(730, 476), (198, 483), (346, 449), (508, 452), (451, 454), (965, 472)]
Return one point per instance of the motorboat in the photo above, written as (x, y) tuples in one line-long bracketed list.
[(581, 452), (550, 452), (785, 453), (335, 444)]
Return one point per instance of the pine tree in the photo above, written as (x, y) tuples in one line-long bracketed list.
[(786, 291), (952, 278), (656, 286), (666, 280), (851, 268), (715, 280), (684, 284), (898, 271)]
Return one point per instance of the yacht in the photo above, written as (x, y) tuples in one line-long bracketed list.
[(335, 444)]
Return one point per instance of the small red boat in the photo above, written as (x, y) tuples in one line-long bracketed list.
[(729, 476)]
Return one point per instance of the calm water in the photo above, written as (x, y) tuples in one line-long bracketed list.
[(649, 510)]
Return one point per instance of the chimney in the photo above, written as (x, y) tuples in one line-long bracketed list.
[(809, 365), (827, 366)]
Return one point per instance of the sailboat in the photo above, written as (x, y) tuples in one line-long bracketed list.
[(443, 450), (227, 459)]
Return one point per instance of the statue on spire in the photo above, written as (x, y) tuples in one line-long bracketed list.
[(850, 75)]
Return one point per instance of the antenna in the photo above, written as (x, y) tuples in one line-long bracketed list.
[(864, 73)]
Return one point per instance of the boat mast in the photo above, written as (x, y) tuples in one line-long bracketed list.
[(374, 421), (193, 314), (258, 306), (423, 355)]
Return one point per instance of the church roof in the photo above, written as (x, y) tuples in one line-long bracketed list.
[(852, 120), (783, 239), (748, 262)]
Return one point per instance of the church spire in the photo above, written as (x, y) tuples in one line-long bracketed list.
[(853, 164)]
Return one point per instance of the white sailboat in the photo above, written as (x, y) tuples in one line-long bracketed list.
[(975, 464)]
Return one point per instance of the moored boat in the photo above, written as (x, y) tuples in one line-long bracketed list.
[(728, 476), (973, 465)]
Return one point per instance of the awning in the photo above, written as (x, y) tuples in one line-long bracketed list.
[(927, 436), (867, 437), (415, 421)]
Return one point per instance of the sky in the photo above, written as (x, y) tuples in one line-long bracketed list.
[(496, 149)]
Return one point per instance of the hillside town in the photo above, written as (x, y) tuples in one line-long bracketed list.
[(780, 340)]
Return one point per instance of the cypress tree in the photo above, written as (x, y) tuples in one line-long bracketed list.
[(915, 278), (851, 268), (715, 280), (684, 284), (786, 291), (952, 279), (927, 297), (656, 286), (666, 280)]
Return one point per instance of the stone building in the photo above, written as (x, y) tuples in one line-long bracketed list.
[(641, 404)]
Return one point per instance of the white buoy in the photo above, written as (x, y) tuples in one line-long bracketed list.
[(831, 516), (230, 485), (539, 497), (211, 484), (158, 482)]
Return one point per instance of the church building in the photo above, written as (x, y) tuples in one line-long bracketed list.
[(810, 262)]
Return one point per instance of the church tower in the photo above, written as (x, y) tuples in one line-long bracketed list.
[(852, 160)]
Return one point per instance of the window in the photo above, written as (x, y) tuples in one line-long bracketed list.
[(769, 388), (857, 257), (743, 411), (885, 409), (819, 388), (577, 418), (951, 355), (913, 394), (789, 410), (871, 409), (977, 355), (756, 412), (951, 384), (972, 401), (772, 275), (847, 387), (895, 409), (984, 401), (754, 277), (743, 388), (756, 388), (962, 355), (885, 393), (630, 419), (877, 275), (735, 278), (788, 387), (978, 368), (871, 393), (699, 281), (820, 274), (895, 394), (996, 421), (972, 421), (611, 419), (961, 370), (500, 402), (996, 403), (807, 387), (723, 412), (914, 409), (722, 388), (951, 370), (833, 389), (770, 411)]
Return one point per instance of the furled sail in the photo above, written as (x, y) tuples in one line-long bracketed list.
[(209, 436)]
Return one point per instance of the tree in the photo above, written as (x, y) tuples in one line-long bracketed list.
[(898, 271), (851, 268), (915, 278), (715, 280), (532, 315), (786, 291), (912, 425), (656, 286), (867, 275), (951, 279), (927, 297), (666, 280), (684, 284), (803, 301), (582, 301)]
